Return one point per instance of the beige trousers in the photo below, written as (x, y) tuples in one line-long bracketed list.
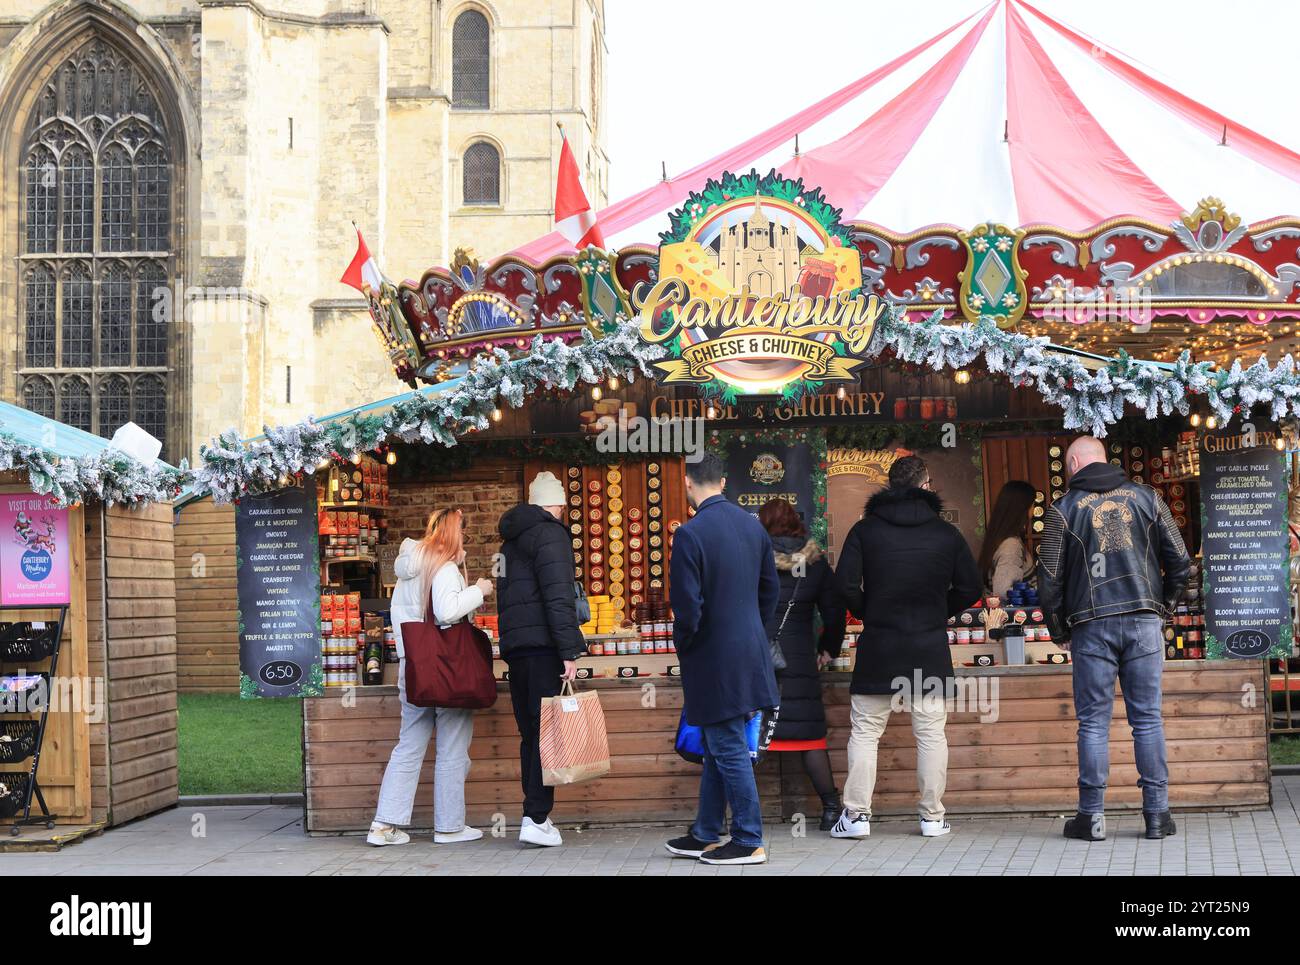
[(869, 714)]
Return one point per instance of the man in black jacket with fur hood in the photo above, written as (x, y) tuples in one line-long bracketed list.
[(904, 571), (540, 638)]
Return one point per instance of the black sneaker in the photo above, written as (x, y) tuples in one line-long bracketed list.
[(688, 846), (1159, 825), (1086, 827), (732, 853)]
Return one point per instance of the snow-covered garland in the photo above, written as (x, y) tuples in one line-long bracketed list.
[(229, 466), (109, 476), (1092, 400)]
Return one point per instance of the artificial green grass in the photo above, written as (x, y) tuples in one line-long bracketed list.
[(1284, 749), (234, 746)]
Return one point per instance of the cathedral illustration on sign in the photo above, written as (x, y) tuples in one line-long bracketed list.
[(758, 253)]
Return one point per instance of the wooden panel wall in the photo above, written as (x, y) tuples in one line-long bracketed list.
[(207, 624), (1025, 761), (136, 759)]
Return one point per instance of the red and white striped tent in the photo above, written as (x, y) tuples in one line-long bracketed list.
[(1010, 116)]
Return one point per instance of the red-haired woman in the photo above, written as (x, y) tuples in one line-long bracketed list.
[(428, 572), (807, 584)]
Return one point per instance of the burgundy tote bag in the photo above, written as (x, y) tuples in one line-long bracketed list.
[(448, 666)]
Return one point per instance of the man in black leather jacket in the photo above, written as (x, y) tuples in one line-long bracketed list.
[(1111, 566)]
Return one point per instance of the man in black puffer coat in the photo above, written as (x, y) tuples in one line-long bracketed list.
[(905, 571), (540, 639)]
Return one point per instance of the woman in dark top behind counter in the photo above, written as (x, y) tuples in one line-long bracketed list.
[(807, 579)]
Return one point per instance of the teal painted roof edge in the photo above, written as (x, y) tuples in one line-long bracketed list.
[(189, 495), (67, 442)]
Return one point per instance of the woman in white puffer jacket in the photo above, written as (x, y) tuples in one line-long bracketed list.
[(428, 572)]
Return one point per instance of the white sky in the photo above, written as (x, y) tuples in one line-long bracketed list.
[(674, 94)]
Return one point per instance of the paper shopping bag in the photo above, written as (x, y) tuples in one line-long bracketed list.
[(573, 743)]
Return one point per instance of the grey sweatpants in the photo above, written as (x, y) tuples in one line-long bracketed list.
[(455, 728)]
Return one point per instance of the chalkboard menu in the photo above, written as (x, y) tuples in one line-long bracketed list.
[(278, 573), (1244, 546), (759, 472)]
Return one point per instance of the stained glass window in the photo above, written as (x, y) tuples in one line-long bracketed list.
[(114, 403), (481, 177), (74, 402), (470, 53), (97, 245), (38, 396)]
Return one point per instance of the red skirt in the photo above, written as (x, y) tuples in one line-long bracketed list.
[(813, 745)]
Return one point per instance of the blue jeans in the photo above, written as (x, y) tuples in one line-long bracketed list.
[(1129, 646), (728, 779)]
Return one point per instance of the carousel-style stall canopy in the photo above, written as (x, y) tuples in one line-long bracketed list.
[(1010, 195)]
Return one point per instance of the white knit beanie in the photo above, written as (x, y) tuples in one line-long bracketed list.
[(546, 490)]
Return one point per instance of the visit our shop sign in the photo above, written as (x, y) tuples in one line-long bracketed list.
[(757, 472), (1244, 545), (34, 555), (278, 575)]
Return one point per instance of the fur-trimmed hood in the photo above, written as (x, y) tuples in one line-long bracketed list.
[(787, 550), (905, 507)]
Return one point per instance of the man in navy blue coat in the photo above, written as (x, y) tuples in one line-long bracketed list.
[(724, 590)]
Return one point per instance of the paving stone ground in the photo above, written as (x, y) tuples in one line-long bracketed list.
[(269, 840)]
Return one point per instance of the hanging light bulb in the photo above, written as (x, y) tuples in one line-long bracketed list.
[(711, 413), (962, 377), (1211, 422), (391, 458), (496, 415), (1195, 419), (595, 393), (323, 464), (613, 383), (1280, 443), (840, 393), (356, 459)]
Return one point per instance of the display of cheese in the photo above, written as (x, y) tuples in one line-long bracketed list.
[(607, 407), (696, 266)]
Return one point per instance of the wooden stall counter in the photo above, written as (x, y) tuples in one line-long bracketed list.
[(1012, 749)]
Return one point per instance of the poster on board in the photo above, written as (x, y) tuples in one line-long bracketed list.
[(278, 576), (34, 561)]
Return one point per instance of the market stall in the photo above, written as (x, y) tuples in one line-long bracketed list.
[(87, 634), (810, 353)]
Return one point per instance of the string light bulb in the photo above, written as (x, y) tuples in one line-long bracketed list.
[(961, 377), (356, 459), (391, 458), (1195, 420), (613, 383), (595, 393), (1211, 422), (496, 415)]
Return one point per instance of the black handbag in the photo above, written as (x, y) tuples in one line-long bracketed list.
[(778, 655), (581, 603)]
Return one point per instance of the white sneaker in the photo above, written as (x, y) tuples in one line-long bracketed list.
[(382, 834), (545, 835), (851, 825), (932, 829), (454, 837)]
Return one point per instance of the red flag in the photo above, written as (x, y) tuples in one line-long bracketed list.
[(573, 215), (363, 271)]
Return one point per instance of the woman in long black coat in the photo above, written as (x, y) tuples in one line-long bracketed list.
[(808, 581)]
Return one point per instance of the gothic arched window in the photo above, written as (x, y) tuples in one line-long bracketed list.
[(470, 54), (481, 174), (97, 249)]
